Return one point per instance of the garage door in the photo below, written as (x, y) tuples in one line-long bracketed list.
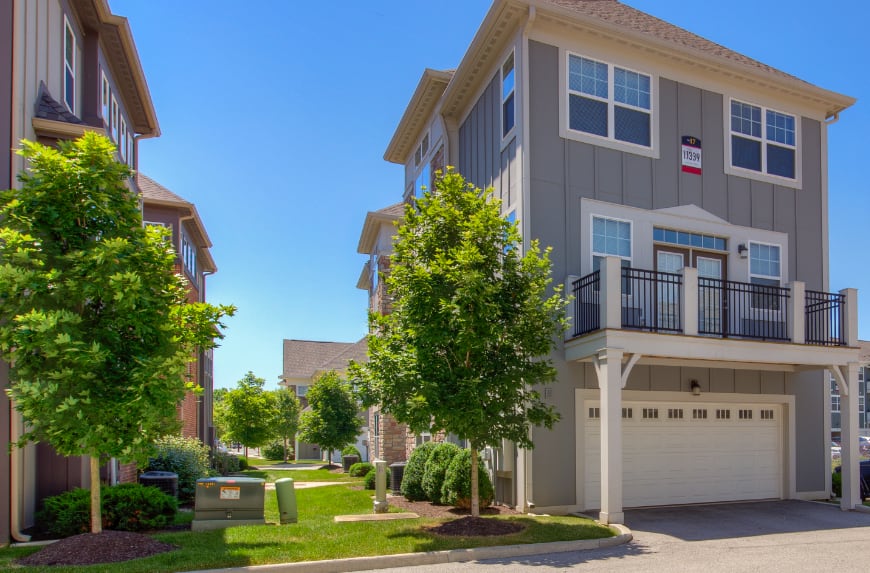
[(690, 453)]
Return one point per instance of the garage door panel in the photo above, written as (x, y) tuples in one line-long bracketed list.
[(685, 460)]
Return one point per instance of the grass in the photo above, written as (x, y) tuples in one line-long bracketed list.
[(301, 475), (316, 536)]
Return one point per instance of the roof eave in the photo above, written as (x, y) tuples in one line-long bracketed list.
[(371, 228), (432, 84)]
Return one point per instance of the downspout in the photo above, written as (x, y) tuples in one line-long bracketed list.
[(523, 214), (832, 119)]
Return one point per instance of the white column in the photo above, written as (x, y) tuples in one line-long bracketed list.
[(611, 292), (797, 304), (849, 436), (608, 366), (690, 301), (568, 290), (850, 317)]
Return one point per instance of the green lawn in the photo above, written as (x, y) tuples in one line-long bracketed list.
[(301, 475), (316, 536)]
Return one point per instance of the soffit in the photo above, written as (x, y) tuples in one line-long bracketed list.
[(371, 227), (417, 114)]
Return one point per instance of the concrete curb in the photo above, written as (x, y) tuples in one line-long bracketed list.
[(624, 535)]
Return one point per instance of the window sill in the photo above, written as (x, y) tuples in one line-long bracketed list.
[(764, 177), (598, 141)]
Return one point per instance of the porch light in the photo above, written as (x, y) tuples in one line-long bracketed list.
[(742, 250), (696, 388)]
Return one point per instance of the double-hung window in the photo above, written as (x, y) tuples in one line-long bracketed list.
[(113, 131), (69, 66), (424, 177), (611, 237), (508, 105), (608, 101), (104, 98), (763, 140), (765, 270), (122, 140)]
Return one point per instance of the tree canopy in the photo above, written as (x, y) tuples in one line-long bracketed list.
[(286, 422), (95, 321), (333, 419), (249, 412), (471, 326)]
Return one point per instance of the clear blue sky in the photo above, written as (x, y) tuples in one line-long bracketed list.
[(276, 114)]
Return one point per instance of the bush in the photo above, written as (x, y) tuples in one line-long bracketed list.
[(370, 478), (124, 507), (243, 463), (351, 450), (436, 467), (225, 463), (274, 451), (360, 469), (187, 457), (837, 483), (412, 482), (457, 483)]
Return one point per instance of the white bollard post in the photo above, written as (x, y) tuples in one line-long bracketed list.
[(381, 505)]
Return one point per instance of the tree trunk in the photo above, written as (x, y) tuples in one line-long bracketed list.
[(285, 450), (96, 513), (475, 498), (246, 452)]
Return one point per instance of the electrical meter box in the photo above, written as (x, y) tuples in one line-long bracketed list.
[(228, 501)]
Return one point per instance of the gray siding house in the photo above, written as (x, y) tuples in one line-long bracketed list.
[(683, 188)]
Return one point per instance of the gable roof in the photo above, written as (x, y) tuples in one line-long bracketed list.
[(306, 358), (371, 227), (606, 19), (415, 119)]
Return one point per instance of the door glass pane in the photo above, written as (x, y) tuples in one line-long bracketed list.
[(669, 262), (667, 294), (709, 268), (710, 299)]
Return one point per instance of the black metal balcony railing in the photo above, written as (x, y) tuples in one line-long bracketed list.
[(652, 300), (743, 310), (587, 313), (824, 318)]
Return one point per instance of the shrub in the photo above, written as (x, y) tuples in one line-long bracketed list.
[(187, 457), (436, 467), (360, 469), (351, 450), (274, 451), (135, 507), (412, 481), (457, 482), (837, 483), (125, 507), (370, 478), (243, 463), (225, 463)]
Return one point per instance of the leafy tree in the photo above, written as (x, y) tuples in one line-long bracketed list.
[(219, 412), (462, 349), (249, 412), (333, 420), (93, 318), (286, 422)]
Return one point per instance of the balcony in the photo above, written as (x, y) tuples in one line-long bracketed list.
[(681, 315)]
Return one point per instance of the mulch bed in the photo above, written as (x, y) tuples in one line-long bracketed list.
[(90, 548), (465, 525)]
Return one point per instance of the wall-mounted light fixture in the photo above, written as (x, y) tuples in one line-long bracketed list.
[(742, 250), (696, 388)]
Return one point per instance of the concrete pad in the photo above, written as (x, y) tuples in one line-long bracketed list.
[(375, 517)]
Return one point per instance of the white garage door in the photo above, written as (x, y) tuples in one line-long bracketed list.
[(690, 453)]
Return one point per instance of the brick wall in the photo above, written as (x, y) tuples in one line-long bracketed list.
[(127, 473), (390, 442)]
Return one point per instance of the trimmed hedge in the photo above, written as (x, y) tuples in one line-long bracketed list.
[(457, 482), (360, 469), (225, 463), (187, 457), (351, 450), (370, 478), (436, 468), (412, 481), (124, 507)]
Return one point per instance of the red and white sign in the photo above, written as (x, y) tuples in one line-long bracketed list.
[(691, 154)]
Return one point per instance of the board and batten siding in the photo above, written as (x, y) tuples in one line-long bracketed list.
[(483, 161), (563, 171)]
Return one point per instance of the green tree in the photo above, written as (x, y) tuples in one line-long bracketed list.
[(93, 319), (249, 412), (471, 324), (286, 422), (333, 420), (219, 413)]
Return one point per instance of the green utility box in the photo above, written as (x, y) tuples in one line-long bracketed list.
[(286, 492), (227, 502)]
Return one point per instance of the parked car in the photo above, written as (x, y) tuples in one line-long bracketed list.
[(864, 445), (863, 478), (836, 450)]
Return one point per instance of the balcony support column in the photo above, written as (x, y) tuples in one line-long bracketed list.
[(608, 368), (847, 382), (690, 301), (611, 292), (572, 307), (850, 317), (797, 304)]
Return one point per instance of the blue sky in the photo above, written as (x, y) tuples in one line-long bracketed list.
[(276, 114)]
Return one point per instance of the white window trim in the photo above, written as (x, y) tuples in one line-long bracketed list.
[(130, 151), (105, 90), (610, 142), (507, 137), (122, 140), (749, 258), (67, 27), (797, 182), (116, 113), (593, 253)]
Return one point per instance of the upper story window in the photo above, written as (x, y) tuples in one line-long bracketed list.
[(113, 128), (765, 270), (130, 149), (104, 97), (763, 140), (508, 105), (69, 65), (610, 237), (301, 390), (422, 150), (188, 255), (687, 239), (608, 101), (122, 140)]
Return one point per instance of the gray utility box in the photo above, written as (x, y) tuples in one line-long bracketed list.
[(227, 502)]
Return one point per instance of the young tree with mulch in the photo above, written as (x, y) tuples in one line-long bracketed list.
[(94, 321), (471, 325), (286, 422), (248, 412), (333, 420)]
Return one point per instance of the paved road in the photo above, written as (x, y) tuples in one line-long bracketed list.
[(787, 536)]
